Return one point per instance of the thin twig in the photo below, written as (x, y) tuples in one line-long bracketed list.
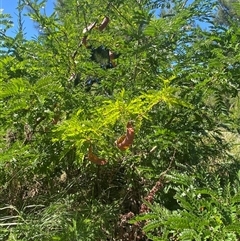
[(149, 198)]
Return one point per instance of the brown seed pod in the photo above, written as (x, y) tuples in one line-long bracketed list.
[(95, 159), (125, 141)]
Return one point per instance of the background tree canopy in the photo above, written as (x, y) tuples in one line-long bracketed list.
[(175, 81)]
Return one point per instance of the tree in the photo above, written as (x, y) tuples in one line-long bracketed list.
[(174, 87), (228, 11)]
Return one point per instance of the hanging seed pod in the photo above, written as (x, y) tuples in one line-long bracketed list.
[(125, 141), (95, 159)]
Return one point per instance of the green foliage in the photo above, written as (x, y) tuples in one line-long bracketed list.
[(228, 12), (208, 209), (176, 82), (56, 222)]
